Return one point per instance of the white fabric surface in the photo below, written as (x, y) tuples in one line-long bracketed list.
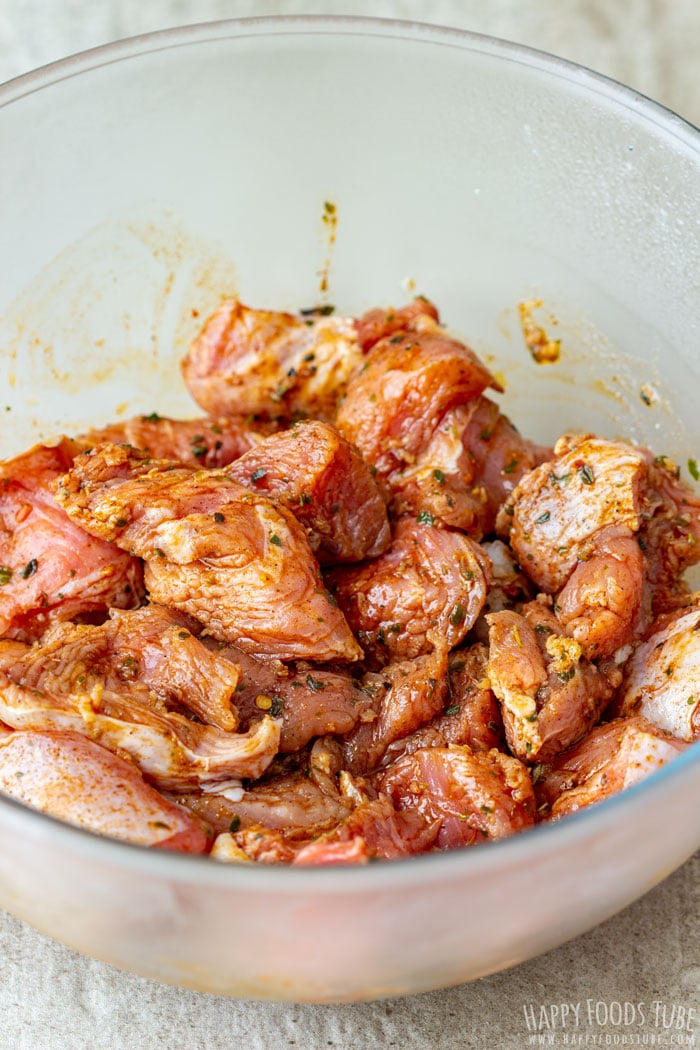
[(53, 999)]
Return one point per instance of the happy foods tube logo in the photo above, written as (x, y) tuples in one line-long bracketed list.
[(598, 1022)]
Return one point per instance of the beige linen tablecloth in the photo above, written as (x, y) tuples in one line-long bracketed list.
[(649, 956)]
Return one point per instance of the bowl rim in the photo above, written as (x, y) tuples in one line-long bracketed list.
[(433, 867), (351, 25)]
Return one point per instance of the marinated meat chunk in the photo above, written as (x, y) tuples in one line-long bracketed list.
[(50, 569), (471, 463), (373, 829), (662, 678), (395, 402), (554, 514), (472, 797), (550, 694), (69, 682), (472, 715), (334, 851), (499, 455), (407, 694), (238, 563), (157, 647), (442, 481), (169, 749), (226, 849), (150, 647), (308, 700), (670, 533), (609, 528), (197, 442), (291, 804), (429, 579), (427, 736), (509, 584), (257, 844), (149, 653), (74, 779), (611, 758), (380, 323), (323, 480), (604, 604), (274, 365)]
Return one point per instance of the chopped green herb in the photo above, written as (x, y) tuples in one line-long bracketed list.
[(566, 676), (426, 518), (562, 479), (587, 476), (439, 476), (5, 575), (542, 518), (323, 310), (542, 628), (487, 810), (152, 418), (121, 523), (453, 709), (396, 628), (29, 569), (235, 824), (274, 538), (183, 634), (314, 684), (510, 467), (218, 517), (305, 499), (277, 706), (458, 616), (693, 469), (258, 474)]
